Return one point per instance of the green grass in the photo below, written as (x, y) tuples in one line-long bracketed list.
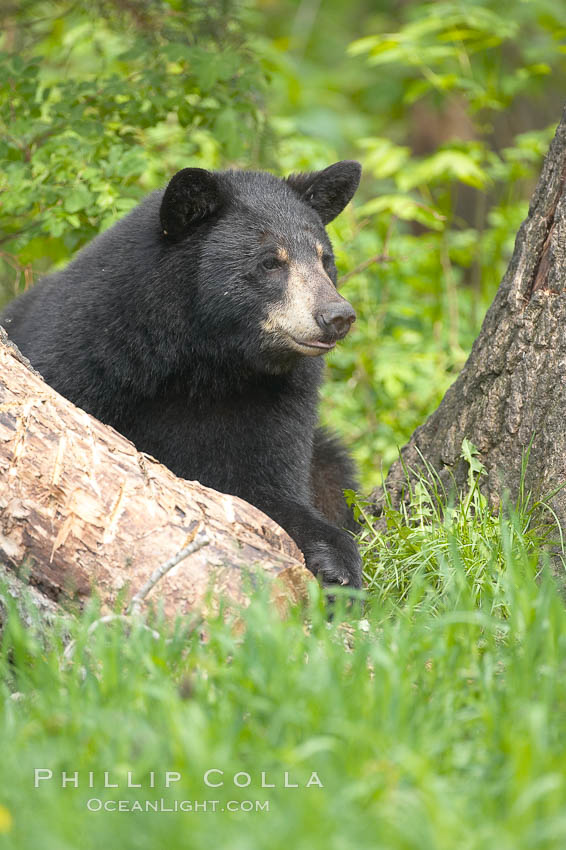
[(436, 721)]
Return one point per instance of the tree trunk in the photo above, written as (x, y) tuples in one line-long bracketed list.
[(513, 387), (81, 509)]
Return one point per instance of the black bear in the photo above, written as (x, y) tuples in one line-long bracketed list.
[(195, 325)]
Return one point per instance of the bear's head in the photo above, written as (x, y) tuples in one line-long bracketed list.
[(265, 288)]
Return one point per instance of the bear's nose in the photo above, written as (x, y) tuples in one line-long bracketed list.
[(336, 318)]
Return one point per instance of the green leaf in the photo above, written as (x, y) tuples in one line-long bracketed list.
[(470, 455), (383, 158), (404, 207), (185, 114), (79, 198), (446, 165)]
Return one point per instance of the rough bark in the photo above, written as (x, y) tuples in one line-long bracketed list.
[(82, 510), (513, 387)]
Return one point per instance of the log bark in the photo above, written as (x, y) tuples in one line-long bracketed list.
[(81, 511), (512, 389)]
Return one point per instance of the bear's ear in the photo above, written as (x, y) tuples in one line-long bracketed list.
[(192, 195), (330, 190)]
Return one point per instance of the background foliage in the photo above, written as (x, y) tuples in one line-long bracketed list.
[(437, 721), (449, 106)]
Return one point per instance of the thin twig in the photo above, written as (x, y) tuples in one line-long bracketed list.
[(379, 258), (197, 543), (382, 257)]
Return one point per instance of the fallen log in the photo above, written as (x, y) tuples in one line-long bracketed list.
[(82, 511)]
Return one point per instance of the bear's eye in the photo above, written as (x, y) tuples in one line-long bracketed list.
[(272, 263)]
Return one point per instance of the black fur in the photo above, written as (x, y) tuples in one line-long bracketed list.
[(332, 472), (157, 328), (328, 191)]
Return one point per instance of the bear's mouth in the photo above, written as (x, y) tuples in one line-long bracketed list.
[(314, 343)]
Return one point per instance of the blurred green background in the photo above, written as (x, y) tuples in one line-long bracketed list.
[(449, 106)]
